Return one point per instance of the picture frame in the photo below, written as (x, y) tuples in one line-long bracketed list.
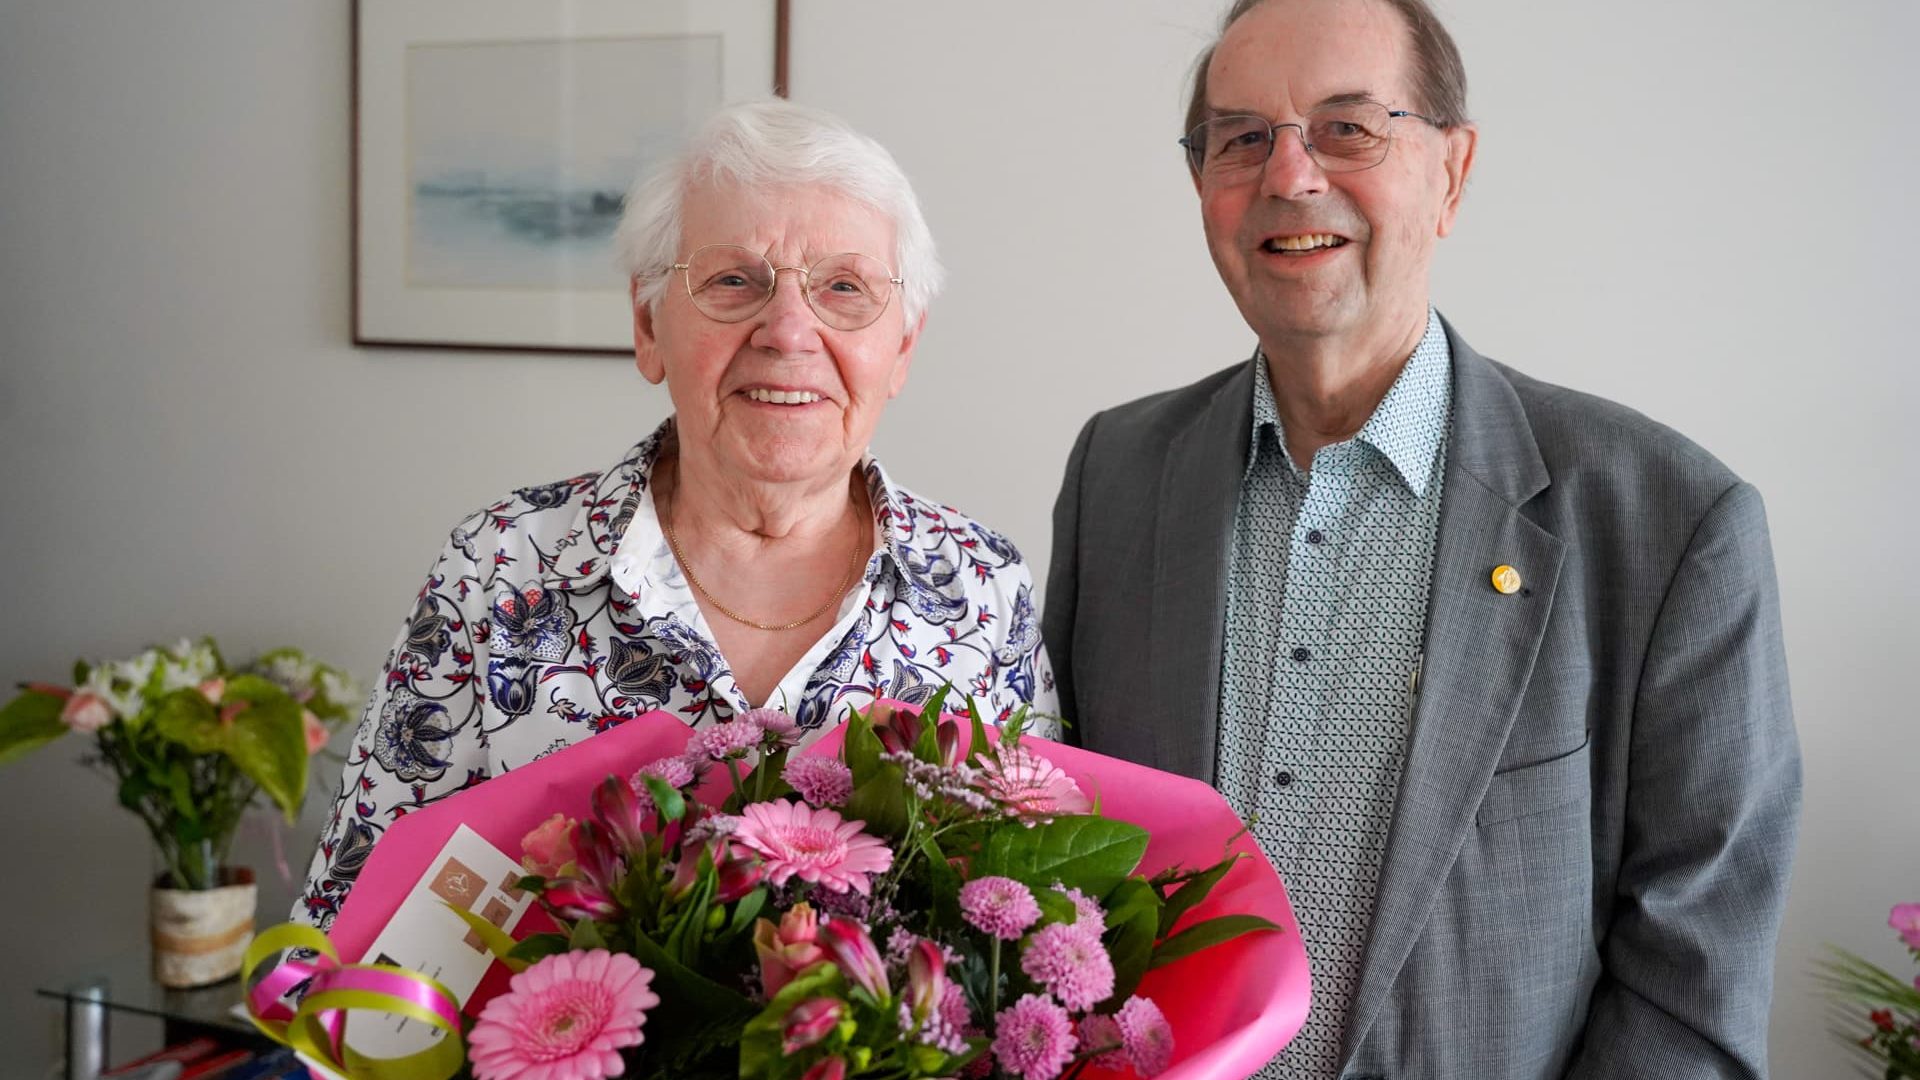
[(493, 145)]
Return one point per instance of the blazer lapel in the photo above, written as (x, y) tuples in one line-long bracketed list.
[(1199, 492), (1480, 649)]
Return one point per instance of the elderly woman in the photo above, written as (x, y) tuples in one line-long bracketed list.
[(749, 552)]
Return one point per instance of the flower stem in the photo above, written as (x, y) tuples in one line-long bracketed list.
[(993, 979)]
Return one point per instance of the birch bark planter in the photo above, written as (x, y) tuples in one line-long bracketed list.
[(199, 936)]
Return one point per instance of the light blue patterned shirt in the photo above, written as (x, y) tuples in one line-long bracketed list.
[(1326, 609)]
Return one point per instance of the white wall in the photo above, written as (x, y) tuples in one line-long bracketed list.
[(1703, 210)]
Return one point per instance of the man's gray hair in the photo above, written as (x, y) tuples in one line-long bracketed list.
[(1439, 76), (776, 144)]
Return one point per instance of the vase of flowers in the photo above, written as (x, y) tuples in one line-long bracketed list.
[(191, 743), (1891, 1043)]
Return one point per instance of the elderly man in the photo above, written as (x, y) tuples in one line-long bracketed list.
[(1495, 667)]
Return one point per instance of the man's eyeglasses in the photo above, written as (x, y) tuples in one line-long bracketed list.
[(729, 283), (1340, 138)]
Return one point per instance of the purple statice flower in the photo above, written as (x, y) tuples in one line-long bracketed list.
[(723, 742), (1035, 1039), (999, 907), (709, 827), (1100, 1036), (950, 783), (822, 781), (1089, 915), (1145, 1035), (1071, 964)]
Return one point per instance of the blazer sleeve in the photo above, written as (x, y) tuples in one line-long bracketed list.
[(1713, 804), (1063, 581)]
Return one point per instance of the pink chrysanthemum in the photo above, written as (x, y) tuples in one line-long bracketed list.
[(730, 740), (1100, 1032), (822, 781), (1089, 915), (1029, 786), (797, 840), (775, 723), (1145, 1035), (677, 771), (1071, 964), (998, 906), (1035, 1039), (567, 1017)]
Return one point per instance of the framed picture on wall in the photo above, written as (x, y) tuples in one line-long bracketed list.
[(494, 142)]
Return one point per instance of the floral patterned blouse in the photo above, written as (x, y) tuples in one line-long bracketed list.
[(559, 612)]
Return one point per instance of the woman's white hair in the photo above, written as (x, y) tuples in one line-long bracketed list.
[(773, 144)]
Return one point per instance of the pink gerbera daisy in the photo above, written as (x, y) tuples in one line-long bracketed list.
[(1070, 963), (822, 781), (1035, 1040), (815, 845), (1145, 1035), (1030, 786), (566, 1017)]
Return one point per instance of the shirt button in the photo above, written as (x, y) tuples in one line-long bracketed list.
[(1315, 536), (1284, 778), (1301, 654)]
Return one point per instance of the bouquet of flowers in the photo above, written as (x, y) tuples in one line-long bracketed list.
[(911, 897), (190, 740), (1892, 1003)]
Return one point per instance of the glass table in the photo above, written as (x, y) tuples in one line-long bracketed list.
[(124, 983)]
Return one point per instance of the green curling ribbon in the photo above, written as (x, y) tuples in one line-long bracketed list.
[(319, 1024)]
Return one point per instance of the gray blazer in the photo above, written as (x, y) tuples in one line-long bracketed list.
[(1588, 858)]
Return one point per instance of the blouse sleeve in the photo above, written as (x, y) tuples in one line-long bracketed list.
[(421, 737)]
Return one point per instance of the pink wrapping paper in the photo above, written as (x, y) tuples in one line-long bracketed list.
[(1232, 1007)]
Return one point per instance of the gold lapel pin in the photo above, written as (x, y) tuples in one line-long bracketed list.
[(1506, 580)]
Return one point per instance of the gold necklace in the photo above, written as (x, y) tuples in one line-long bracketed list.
[(833, 598)]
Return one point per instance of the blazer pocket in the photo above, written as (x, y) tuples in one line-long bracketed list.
[(1537, 788)]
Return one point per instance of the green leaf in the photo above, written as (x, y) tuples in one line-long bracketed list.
[(927, 746), (586, 935), (1133, 919), (861, 747), (29, 722), (683, 941), (666, 798), (1206, 934), (1194, 891), (536, 947), (268, 742), (746, 911), (1055, 906), (943, 882), (187, 719), (81, 672), (761, 1052), (695, 1013), (881, 802), (979, 743), (1088, 853), (497, 941)]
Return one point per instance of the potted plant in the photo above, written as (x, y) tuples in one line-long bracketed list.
[(192, 743)]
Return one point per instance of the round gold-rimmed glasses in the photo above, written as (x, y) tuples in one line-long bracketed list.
[(1341, 137), (730, 283)]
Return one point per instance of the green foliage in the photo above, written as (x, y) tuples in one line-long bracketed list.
[(1133, 919), (696, 1017), (761, 1053), (1206, 934), (29, 722), (1092, 854), (1193, 890)]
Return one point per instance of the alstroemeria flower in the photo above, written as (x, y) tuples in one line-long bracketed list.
[(833, 1068), (621, 814), (853, 950), (315, 732), (899, 731), (811, 1021), (574, 900), (787, 950), (926, 979), (598, 855)]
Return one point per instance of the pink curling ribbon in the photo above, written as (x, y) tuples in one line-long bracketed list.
[(317, 1028)]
